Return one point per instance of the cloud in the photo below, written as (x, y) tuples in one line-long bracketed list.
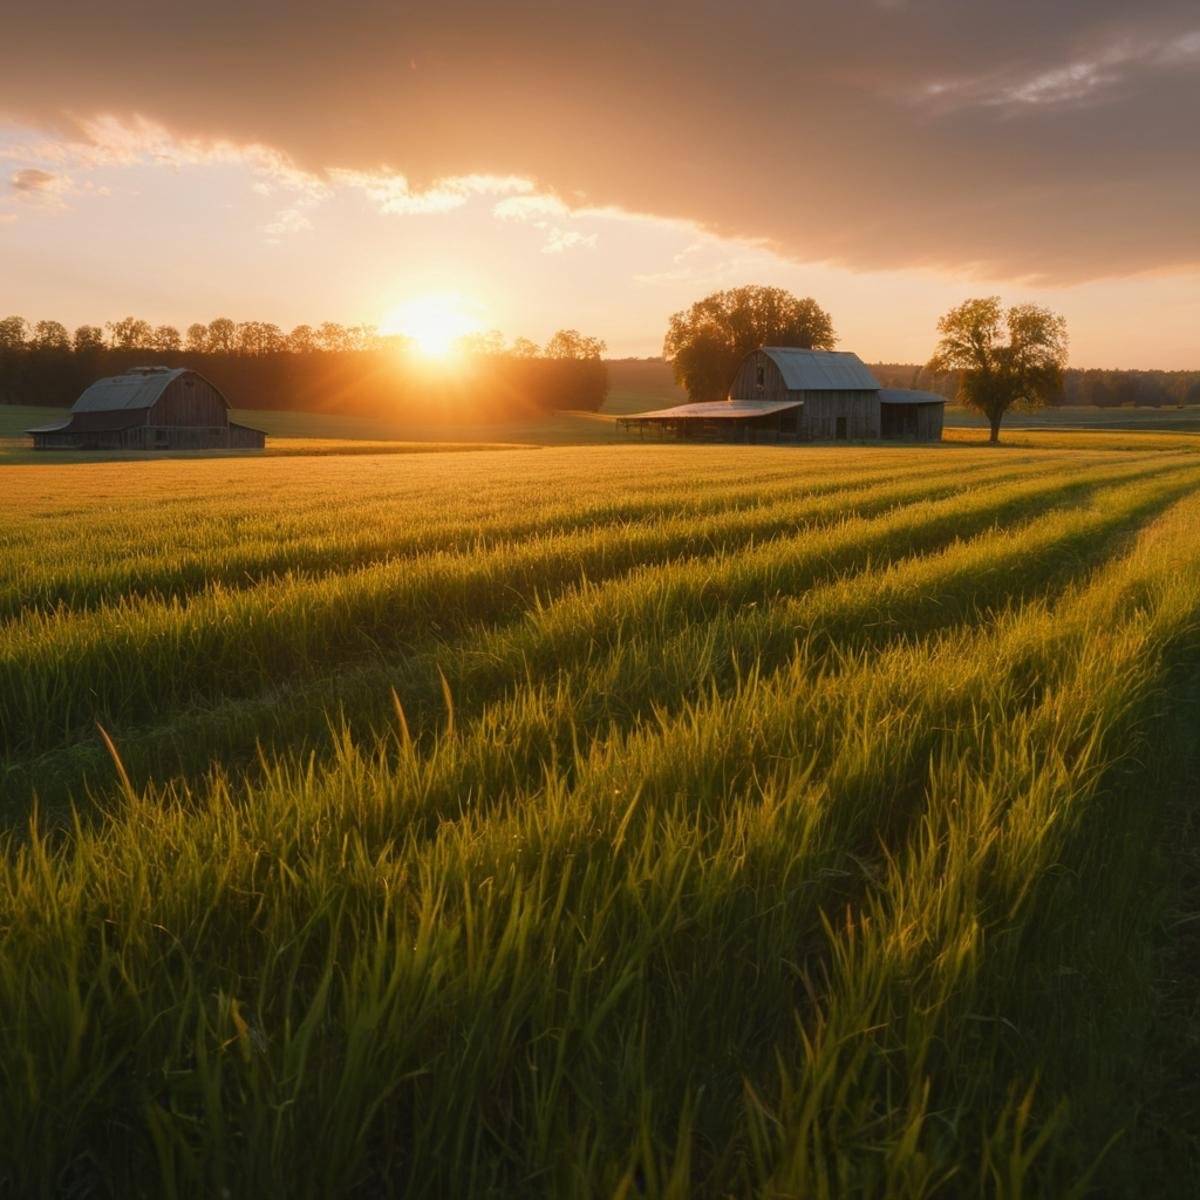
[(36, 186), (1012, 137), (290, 220), (392, 194), (529, 208), (559, 240)]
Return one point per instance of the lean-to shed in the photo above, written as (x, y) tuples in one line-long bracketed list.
[(149, 408)]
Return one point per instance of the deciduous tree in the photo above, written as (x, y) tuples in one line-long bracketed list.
[(50, 335), (302, 340), (196, 341), (333, 337), (13, 331), (706, 342), (166, 338), (221, 337), (1005, 358), (522, 347), (88, 337), (570, 343), (130, 333)]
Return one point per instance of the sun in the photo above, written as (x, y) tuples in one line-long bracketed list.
[(433, 322)]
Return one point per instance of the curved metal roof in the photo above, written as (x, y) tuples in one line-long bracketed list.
[(138, 388), (822, 370)]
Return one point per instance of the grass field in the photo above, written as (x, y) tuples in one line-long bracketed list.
[(603, 821)]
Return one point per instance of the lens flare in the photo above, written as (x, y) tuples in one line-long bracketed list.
[(432, 322)]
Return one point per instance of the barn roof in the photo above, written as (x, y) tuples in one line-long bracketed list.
[(718, 410), (909, 396), (821, 370), (138, 388), (94, 422)]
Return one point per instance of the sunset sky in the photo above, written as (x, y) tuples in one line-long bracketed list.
[(540, 165)]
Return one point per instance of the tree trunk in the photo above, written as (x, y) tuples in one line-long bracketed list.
[(995, 437)]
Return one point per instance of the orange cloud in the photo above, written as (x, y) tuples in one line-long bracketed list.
[(1009, 137)]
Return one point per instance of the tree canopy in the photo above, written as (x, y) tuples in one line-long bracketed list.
[(997, 374), (706, 343)]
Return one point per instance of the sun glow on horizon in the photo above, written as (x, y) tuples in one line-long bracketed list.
[(434, 322)]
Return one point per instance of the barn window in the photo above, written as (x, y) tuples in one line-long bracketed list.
[(760, 376)]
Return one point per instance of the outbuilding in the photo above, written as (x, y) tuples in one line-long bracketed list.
[(785, 394), (149, 408)]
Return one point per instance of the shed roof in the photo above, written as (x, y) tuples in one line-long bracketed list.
[(139, 388), (716, 410), (94, 422), (909, 396), (821, 370)]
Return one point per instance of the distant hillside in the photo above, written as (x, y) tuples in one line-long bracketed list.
[(640, 384)]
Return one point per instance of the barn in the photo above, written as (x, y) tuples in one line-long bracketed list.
[(149, 408), (780, 394)]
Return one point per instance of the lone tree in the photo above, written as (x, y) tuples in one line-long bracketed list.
[(1026, 370), (706, 343)]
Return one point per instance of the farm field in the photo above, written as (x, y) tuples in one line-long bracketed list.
[(634, 820)]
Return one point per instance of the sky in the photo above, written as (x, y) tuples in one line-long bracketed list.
[(538, 165)]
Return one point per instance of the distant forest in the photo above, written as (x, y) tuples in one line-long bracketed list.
[(356, 370), (1102, 389), (326, 368)]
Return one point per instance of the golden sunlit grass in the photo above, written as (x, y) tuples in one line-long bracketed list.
[(1080, 439), (661, 820)]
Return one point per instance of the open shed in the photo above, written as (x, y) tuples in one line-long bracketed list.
[(908, 415)]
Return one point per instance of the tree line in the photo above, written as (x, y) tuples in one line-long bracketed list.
[(1088, 387), (255, 338), (327, 367)]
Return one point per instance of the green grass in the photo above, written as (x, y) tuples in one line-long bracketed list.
[(647, 820)]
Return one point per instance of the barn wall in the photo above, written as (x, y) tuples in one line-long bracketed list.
[(930, 418), (859, 408), (190, 400), (745, 387), (242, 437)]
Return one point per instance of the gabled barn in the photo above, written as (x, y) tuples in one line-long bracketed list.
[(784, 394), (149, 408)]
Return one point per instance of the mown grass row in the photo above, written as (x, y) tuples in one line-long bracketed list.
[(62, 672), (198, 550)]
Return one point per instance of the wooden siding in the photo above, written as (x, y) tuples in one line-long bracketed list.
[(191, 401), (859, 411), (912, 422), (242, 437), (745, 382)]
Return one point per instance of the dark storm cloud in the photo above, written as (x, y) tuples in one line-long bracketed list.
[(1020, 137)]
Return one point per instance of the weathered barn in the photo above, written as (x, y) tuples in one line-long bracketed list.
[(149, 408), (783, 394)]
